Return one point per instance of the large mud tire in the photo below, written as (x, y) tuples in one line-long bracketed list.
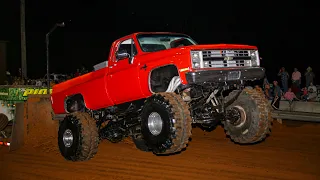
[(176, 126), (85, 137), (257, 123), (3, 121)]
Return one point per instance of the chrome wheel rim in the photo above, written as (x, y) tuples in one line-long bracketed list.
[(155, 123), (67, 138)]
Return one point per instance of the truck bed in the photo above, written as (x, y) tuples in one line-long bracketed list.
[(92, 86), (78, 80)]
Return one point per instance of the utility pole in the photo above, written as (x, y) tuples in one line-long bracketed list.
[(23, 39), (47, 52)]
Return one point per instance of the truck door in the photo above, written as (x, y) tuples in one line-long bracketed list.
[(123, 80)]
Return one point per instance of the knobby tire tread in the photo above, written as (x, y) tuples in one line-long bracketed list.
[(179, 110), (265, 118), (89, 137)]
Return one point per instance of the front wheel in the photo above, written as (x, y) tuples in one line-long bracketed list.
[(166, 123), (249, 117), (78, 137)]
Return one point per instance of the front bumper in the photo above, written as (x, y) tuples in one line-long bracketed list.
[(225, 75)]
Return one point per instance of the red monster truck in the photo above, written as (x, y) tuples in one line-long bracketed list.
[(153, 87)]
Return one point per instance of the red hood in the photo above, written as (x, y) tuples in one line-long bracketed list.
[(221, 46)]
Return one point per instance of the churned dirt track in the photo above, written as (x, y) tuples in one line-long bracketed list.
[(292, 152), (40, 130)]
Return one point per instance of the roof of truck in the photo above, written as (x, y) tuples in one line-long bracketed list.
[(218, 45), (136, 33), (157, 33)]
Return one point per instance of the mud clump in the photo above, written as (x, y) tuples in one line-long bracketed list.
[(41, 131)]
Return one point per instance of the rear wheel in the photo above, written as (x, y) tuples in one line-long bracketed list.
[(78, 137), (249, 119), (166, 123)]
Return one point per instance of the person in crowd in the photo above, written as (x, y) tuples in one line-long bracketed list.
[(268, 92), (277, 96), (52, 83), (290, 96), (39, 82), (265, 82), (296, 78), (20, 72), (312, 92), (304, 94), (309, 76), (296, 90), (296, 82), (284, 78), (9, 77)]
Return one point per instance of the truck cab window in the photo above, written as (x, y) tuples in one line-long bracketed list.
[(125, 47)]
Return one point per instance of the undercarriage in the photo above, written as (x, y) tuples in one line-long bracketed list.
[(207, 104)]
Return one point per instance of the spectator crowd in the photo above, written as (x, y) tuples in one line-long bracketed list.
[(295, 92)]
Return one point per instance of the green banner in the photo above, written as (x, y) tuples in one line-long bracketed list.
[(4, 93), (20, 93)]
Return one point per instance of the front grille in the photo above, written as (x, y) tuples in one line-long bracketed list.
[(226, 58)]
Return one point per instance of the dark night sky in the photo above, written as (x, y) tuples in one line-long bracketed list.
[(286, 32)]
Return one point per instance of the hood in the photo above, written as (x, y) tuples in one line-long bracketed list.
[(221, 46)]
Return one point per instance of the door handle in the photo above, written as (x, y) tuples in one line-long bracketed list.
[(144, 67)]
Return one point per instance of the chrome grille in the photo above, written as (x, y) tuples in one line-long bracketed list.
[(226, 58)]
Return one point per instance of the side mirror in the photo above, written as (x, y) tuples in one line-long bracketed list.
[(122, 54)]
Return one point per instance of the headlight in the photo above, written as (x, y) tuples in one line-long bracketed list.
[(196, 59), (255, 60)]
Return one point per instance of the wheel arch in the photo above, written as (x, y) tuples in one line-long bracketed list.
[(74, 103), (168, 70)]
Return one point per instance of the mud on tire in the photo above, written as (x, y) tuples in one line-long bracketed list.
[(176, 123), (257, 123), (85, 137)]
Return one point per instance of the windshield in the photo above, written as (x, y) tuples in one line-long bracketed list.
[(158, 42)]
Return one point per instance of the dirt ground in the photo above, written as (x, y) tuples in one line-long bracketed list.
[(41, 130), (292, 152)]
